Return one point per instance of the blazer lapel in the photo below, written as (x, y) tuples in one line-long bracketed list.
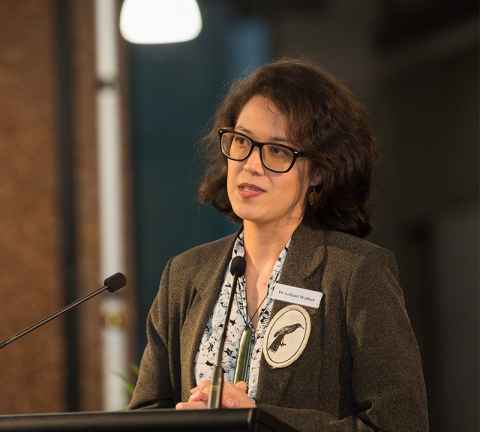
[(305, 256), (206, 286)]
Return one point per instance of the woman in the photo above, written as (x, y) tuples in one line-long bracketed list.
[(290, 157)]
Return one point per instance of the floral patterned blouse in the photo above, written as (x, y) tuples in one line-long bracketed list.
[(209, 345)]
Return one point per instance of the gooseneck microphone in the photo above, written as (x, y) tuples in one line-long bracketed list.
[(112, 284), (237, 269)]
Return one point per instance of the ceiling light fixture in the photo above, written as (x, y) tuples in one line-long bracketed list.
[(160, 21)]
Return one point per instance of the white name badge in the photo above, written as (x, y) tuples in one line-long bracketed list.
[(301, 296)]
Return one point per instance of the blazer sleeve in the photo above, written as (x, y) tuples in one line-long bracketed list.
[(154, 384), (386, 377)]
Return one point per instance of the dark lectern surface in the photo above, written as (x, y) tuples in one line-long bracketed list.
[(232, 420)]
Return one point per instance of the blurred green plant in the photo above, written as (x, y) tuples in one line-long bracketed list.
[(129, 379)]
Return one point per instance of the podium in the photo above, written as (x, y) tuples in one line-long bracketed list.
[(221, 420)]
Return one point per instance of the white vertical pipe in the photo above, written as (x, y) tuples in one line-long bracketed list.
[(112, 248)]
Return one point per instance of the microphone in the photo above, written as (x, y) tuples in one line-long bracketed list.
[(115, 282), (237, 269), (238, 266), (112, 283)]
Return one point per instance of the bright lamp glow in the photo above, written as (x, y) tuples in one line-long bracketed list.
[(160, 21)]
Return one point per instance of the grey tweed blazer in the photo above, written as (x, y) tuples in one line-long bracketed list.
[(361, 369)]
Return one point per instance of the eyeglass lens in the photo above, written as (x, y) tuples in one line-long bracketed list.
[(274, 157)]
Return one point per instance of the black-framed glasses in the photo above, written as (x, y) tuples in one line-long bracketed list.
[(237, 146)]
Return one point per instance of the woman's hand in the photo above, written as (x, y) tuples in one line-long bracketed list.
[(233, 396)]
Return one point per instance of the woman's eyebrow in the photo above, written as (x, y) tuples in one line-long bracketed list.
[(271, 139)]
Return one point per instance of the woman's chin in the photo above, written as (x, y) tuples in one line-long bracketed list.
[(249, 215)]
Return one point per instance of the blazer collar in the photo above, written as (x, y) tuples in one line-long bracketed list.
[(305, 254), (209, 278)]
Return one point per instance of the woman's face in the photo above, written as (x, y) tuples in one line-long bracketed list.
[(258, 195)]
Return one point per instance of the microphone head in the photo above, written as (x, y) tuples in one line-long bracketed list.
[(115, 282), (237, 268)]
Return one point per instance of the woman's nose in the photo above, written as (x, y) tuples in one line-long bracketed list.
[(254, 161)]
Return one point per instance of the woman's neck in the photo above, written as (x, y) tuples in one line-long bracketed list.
[(263, 243)]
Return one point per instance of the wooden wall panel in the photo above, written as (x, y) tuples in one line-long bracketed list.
[(32, 250), (86, 178), (33, 368)]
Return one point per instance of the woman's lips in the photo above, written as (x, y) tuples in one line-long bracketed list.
[(248, 190)]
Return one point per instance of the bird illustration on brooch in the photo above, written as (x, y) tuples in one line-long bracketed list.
[(280, 335)]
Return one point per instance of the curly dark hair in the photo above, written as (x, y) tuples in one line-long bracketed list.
[(326, 121)]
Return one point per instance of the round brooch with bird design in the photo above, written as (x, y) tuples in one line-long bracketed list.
[(286, 336)]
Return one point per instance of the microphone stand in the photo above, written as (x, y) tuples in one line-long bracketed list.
[(215, 395), (111, 284)]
